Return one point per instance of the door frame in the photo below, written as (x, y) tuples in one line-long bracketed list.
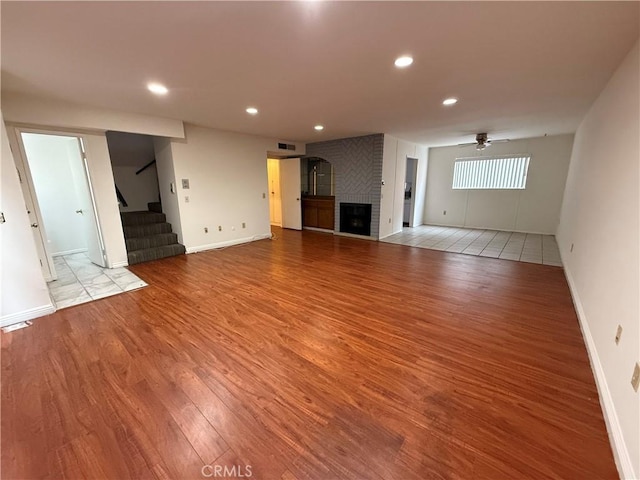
[(20, 157), (414, 179), (286, 208)]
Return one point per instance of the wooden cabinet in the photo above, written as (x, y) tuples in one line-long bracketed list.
[(318, 212)]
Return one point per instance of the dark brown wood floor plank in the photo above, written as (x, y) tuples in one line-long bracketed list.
[(311, 356)]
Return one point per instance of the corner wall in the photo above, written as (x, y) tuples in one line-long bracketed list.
[(357, 167), (394, 167), (228, 186), (536, 209), (601, 219)]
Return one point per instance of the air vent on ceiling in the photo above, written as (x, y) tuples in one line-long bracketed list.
[(286, 146)]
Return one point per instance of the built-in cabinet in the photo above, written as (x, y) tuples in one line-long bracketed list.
[(318, 211)]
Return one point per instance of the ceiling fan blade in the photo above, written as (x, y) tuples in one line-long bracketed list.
[(500, 140), (467, 144)]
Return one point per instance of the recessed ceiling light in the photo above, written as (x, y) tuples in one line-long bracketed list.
[(157, 88), (450, 101), (319, 127), (252, 111), (403, 61)]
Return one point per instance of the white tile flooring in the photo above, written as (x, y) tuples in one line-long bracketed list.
[(523, 247), (81, 281)]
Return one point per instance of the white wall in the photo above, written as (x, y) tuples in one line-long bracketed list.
[(56, 169), (137, 190), (535, 209), (166, 178), (601, 219), (394, 165), (40, 111), (228, 186), (420, 188), (23, 292), (106, 200)]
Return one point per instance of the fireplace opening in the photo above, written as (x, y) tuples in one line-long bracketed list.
[(355, 218)]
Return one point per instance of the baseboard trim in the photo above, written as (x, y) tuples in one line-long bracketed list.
[(69, 252), (353, 235), (27, 315), (228, 243), (316, 229), (119, 264), (434, 224), (616, 439)]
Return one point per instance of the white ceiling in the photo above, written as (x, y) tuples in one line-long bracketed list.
[(520, 69)]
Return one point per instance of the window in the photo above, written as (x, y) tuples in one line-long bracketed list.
[(491, 173)]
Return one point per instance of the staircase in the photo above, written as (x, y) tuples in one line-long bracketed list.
[(148, 236)]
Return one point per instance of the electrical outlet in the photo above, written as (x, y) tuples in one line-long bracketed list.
[(206, 230), (244, 225), (571, 249), (219, 228), (635, 379), (618, 334), (444, 212)]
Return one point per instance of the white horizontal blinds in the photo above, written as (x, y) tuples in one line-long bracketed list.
[(491, 173)]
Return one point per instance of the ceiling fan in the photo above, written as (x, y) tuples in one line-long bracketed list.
[(483, 141)]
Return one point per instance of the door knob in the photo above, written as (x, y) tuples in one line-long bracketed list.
[(79, 211), (34, 225)]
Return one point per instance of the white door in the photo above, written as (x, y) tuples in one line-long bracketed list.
[(35, 218), (290, 193), (275, 199), (95, 245)]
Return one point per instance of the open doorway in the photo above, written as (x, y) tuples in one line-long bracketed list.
[(61, 204), (284, 180), (133, 161), (410, 192), (59, 198)]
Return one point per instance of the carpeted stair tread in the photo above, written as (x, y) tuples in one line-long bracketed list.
[(156, 253), (142, 218), (146, 230), (159, 240)]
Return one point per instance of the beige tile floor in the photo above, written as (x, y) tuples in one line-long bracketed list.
[(522, 247), (80, 281)]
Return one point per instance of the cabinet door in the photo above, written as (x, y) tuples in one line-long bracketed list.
[(325, 218), (310, 216)]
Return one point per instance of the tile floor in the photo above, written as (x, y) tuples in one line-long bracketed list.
[(81, 281), (523, 247)]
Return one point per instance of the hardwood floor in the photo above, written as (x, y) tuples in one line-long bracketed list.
[(309, 356)]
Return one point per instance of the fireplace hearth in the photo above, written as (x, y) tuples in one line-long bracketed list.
[(355, 218)]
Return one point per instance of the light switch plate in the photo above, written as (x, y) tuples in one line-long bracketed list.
[(185, 183), (635, 379)]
